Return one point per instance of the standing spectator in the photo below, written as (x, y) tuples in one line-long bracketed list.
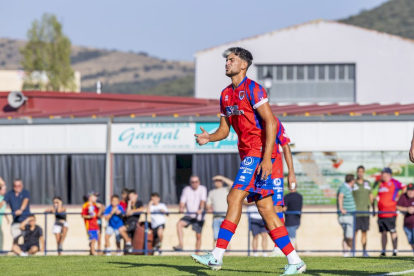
[(406, 204), (387, 198), (113, 214), (346, 205), (257, 227), (363, 199), (293, 203), (90, 212), (217, 203), (33, 238), (193, 198), (2, 210), (135, 207), (18, 200), (412, 149), (157, 220), (60, 229), (124, 198)]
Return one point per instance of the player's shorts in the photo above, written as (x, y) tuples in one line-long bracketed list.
[(58, 227), (93, 235), (248, 180), (387, 224)]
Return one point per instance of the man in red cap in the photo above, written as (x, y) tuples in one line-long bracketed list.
[(406, 204), (388, 195)]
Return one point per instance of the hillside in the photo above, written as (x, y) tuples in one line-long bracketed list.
[(120, 72), (393, 17)]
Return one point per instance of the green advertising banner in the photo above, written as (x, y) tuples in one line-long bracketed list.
[(319, 174), (230, 143)]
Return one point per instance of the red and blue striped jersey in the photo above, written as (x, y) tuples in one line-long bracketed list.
[(240, 107), (387, 197)]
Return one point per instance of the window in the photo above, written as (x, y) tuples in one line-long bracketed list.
[(310, 82)]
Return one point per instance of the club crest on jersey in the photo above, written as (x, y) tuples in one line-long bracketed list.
[(233, 110), (241, 95)]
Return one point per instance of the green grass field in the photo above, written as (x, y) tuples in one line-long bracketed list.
[(141, 265)]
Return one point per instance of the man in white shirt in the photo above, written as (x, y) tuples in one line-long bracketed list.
[(193, 198), (157, 211)]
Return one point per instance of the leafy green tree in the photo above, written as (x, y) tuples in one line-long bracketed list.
[(47, 52)]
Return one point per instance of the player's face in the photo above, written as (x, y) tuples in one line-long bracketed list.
[(234, 65), (115, 201), (360, 173)]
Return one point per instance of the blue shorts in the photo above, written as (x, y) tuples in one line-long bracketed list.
[(93, 235), (216, 226), (248, 180), (257, 226), (410, 234), (292, 231)]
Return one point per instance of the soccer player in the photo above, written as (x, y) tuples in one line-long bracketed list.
[(90, 212), (244, 106)]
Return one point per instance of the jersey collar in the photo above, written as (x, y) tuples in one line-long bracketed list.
[(242, 82)]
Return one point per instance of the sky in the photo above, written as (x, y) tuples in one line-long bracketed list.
[(170, 29)]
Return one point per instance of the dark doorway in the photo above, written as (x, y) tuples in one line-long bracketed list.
[(184, 171)]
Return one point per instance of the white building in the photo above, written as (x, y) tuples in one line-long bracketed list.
[(319, 61)]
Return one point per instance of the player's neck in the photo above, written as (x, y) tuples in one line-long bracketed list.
[(237, 79)]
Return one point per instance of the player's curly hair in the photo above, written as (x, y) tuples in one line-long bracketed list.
[(241, 53)]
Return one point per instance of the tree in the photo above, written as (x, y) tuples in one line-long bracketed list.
[(47, 53)]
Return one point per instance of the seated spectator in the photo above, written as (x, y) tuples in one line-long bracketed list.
[(257, 227), (90, 212), (293, 202), (157, 220), (406, 204), (60, 228), (3, 190), (135, 207), (33, 238), (124, 198), (114, 215)]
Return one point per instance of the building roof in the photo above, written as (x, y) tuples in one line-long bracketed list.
[(313, 22), (70, 105)]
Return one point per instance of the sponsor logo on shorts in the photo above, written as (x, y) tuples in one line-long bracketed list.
[(260, 183), (278, 190), (246, 170), (248, 161), (279, 197), (242, 178), (277, 182)]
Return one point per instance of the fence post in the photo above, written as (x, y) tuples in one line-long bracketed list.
[(45, 245), (146, 236), (248, 235), (353, 234)]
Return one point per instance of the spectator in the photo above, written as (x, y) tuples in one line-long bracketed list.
[(217, 203), (346, 205), (363, 199), (135, 207), (193, 198), (257, 227), (2, 210), (406, 204), (18, 200), (33, 238), (113, 214), (293, 203), (124, 200), (387, 198), (60, 228), (157, 220), (412, 149), (90, 212)]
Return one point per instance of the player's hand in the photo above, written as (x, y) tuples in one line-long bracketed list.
[(265, 169), (412, 152), (292, 181), (343, 211), (202, 138)]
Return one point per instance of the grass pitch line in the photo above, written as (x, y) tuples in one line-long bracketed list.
[(397, 273)]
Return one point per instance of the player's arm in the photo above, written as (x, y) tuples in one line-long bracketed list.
[(265, 167), (289, 162), (221, 133)]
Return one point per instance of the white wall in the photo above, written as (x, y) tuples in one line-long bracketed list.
[(43, 139), (384, 63)]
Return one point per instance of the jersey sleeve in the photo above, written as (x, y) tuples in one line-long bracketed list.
[(257, 95), (281, 137)]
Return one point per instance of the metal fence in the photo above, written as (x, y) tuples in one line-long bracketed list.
[(147, 251)]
